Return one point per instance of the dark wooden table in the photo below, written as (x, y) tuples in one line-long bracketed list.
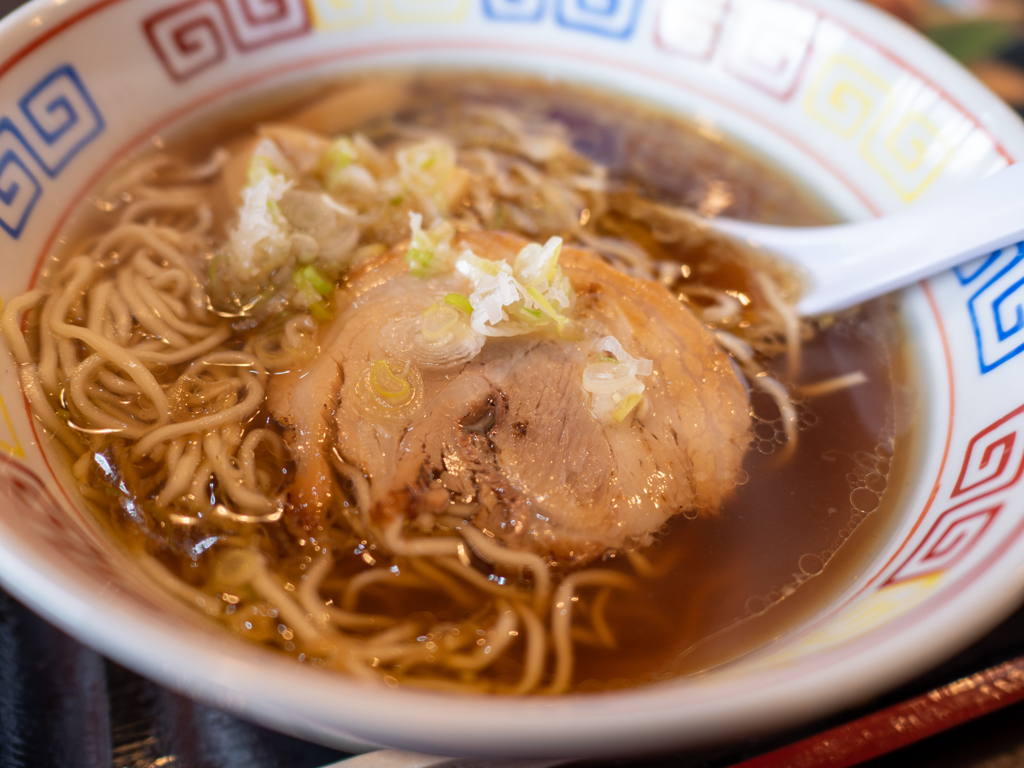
[(65, 706)]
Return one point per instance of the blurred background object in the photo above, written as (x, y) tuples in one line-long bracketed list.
[(986, 36)]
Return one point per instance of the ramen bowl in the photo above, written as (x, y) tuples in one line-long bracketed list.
[(858, 108)]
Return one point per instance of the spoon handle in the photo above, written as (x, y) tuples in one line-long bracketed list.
[(850, 263)]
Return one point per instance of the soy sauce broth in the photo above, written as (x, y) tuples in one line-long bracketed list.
[(768, 558)]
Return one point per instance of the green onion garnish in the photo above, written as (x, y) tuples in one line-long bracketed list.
[(460, 302), (388, 385), (622, 409)]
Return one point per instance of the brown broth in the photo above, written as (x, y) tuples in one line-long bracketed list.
[(733, 575), (745, 576)]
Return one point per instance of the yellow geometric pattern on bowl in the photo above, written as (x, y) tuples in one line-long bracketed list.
[(866, 615), (844, 95), (8, 437), (341, 14), (914, 139), (330, 15), (903, 127)]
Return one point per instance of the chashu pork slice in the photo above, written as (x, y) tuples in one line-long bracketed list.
[(510, 428)]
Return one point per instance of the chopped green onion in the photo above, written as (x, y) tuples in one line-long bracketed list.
[(429, 252), (539, 263), (474, 267), (320, 284), (460, 302), (340, 154), (419, 261), (310, 286), (306, 293), (531, 316), (274, 211), (546, 307), (426, 167), (607, 378), (387, 384), (622, 409), (321, 311), (260, 168), (438, 319)]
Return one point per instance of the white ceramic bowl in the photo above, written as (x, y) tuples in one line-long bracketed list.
[(862, 109)]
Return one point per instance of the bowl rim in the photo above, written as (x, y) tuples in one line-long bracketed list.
[(644, 718)]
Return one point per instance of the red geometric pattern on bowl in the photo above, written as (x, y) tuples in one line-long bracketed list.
[(39, 515), (951, 537), (256, 23), (189, 37), (691, 28), (765, 44), (995, 458), (993, 461), (769, 44)]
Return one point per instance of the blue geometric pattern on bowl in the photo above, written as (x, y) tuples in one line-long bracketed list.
[(63, 119), (19, 188), (969, 272), (997, 308), (611, 18), (514, 10)]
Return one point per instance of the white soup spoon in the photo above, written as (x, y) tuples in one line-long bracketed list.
[(845, 264)]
